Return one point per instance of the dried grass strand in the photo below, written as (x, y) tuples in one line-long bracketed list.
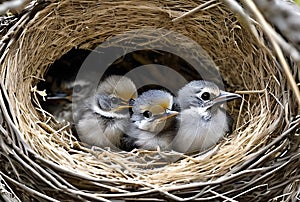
[(270, 33), (244, 162)]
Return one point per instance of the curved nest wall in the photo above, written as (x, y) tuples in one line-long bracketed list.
[(40, 159)]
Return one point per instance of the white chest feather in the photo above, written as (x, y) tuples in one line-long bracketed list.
[(151, 141), (96, 131), (199, 130)]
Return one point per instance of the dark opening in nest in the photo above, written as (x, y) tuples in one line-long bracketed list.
[(258, 156)]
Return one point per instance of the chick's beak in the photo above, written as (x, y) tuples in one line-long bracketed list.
[(169, 114), (123, 105), (226, 96), (60, 97)]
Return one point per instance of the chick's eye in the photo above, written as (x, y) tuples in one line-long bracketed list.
[(114, 100), (147, 114), (205, 96), (131, 101), (77, 88)]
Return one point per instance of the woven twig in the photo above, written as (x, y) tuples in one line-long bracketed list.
[(7, 193), (40, 159)]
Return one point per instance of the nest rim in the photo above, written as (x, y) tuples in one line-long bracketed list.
[(263, 122)]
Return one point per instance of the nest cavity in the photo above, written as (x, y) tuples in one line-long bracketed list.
[(256, 161)]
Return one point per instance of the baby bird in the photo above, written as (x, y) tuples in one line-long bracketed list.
[(71, 93), (153, 121), (103, 117), (202, 121)]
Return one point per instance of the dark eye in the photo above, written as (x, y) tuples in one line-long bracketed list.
[(131, 102), (147, 114), (175, 107), (114, 100), (205, 96), (77, 88)]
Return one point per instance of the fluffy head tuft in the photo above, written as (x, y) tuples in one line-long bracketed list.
[(189, 94), (156, 101), (119, 86)]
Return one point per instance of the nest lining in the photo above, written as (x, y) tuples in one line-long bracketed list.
[(244, 64)]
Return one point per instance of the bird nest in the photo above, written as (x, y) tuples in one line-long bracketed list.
[(41, 158)]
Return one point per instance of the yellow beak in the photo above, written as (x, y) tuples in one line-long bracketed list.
[(119, 108), (168, 115)]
